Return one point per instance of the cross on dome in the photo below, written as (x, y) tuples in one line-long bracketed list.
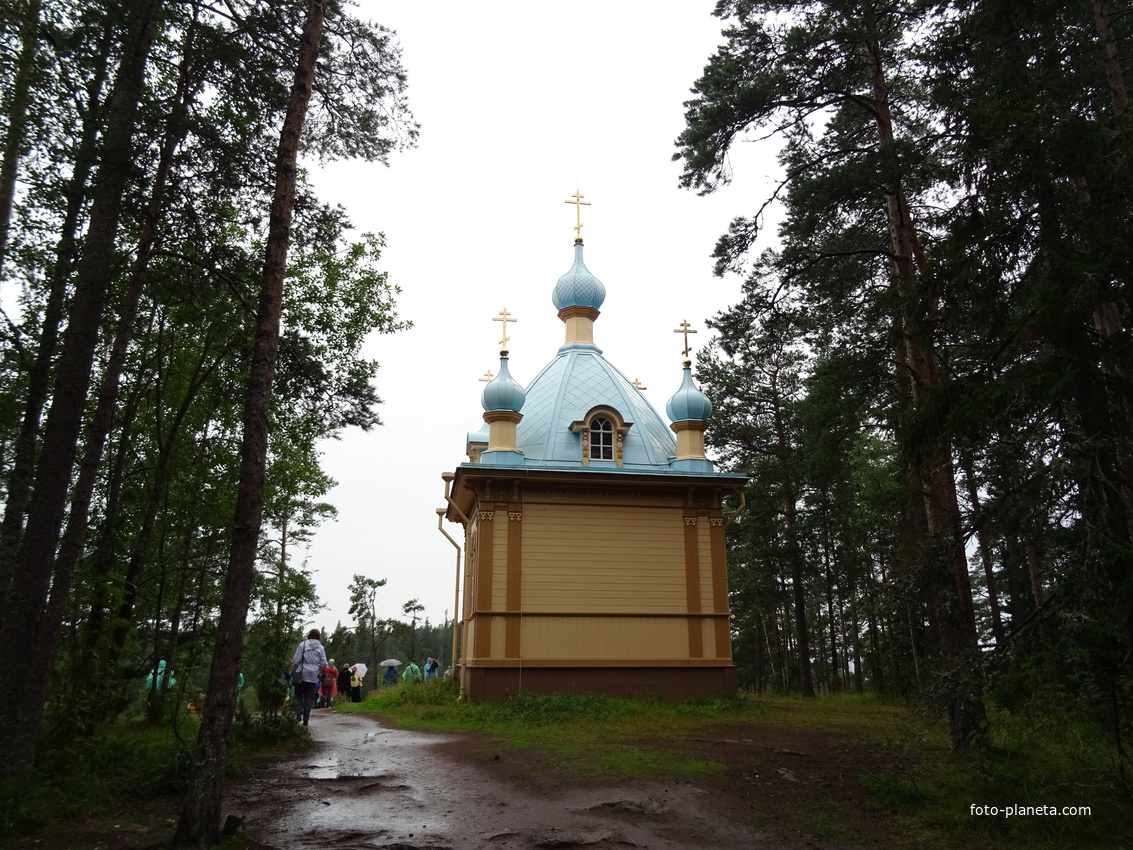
[(685, 329), (578, 205), (487, 379), (504, 317)]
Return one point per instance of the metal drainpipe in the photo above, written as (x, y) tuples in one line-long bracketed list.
[(458, 616), (739, 510), (457, 619)]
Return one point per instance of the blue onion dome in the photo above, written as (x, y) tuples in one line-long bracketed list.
[(503, 391), (688, 402), (578, 287)]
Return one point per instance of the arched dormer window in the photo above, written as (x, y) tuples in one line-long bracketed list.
[(601, 439), (602, 431)]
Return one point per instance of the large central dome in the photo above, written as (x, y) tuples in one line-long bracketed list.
[(580, 412), (574, 383)]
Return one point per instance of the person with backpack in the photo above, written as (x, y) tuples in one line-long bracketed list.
[(309, 660), (412, 672)]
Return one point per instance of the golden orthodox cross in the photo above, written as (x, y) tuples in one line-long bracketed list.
[(639, 385), (487, 379), (578, 205), (684, 329), (505, 317)]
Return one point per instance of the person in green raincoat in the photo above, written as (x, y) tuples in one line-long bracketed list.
[(163, 680), (412, 672)]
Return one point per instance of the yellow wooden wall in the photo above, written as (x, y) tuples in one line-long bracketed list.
[(596, 578)]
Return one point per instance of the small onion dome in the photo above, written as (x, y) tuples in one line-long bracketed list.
[(503, 392), (578, 287), (688, 402)]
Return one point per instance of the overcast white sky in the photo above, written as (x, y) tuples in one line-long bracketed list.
[(519, 104)]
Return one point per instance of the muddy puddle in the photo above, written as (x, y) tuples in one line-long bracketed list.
[(368, 786)]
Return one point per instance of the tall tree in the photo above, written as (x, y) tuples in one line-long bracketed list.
[(61, 432), (784, 65), (200, 817)]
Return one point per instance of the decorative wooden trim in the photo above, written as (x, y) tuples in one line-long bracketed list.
[(578, 310), (692, 589), (487, 516), (482, 589), (671, 663), (514, 591), (602, 615), (718, 547), (716, 522)]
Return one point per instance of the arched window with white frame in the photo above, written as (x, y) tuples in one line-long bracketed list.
[(601, 438), (601, 434)]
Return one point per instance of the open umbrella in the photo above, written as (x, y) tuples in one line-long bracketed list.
[(390, 662), (360, 669)]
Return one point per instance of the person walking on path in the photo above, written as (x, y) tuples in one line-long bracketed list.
[(309, 659), (412, 672), (329, 688), (344, 676)]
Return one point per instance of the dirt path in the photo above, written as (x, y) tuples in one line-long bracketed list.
[(369, 786)]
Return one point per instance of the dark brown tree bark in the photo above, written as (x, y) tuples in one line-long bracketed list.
[(39, 375), (200, 815), (71, 544), (984, 548), (36, 555), (947, 585), (17, 123)]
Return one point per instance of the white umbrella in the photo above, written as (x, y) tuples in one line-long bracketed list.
[(390, 662), (360, 669)]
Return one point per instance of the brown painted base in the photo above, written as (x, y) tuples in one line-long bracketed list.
[(490, 684)]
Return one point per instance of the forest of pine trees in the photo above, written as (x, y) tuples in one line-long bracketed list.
[(928, 378), (149, 201)]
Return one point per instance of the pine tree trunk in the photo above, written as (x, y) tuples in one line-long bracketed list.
[(984, 549), (948, 585), (200, 816), (36, 555), (71, 544), (17, 118), (39, 375)]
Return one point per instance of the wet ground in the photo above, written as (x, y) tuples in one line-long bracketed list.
[(365, 785), (369, 786)]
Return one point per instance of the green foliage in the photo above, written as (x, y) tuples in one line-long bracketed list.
[(262, 731), (123, 762)]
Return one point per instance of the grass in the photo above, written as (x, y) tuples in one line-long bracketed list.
[(916, 788), (126, 764), (563, 727)]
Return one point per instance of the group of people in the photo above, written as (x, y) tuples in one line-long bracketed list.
[(413, 673), (317, 680)]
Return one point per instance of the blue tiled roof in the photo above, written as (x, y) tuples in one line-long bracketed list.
[(576, 381)]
